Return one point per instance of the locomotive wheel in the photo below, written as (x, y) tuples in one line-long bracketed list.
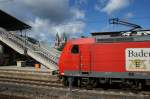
[(106, 86), (65, 81), (78, 82), (94, 83), (139, 85), (89, 86), (136, 86)]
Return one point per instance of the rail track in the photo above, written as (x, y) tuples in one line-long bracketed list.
[(45, 80), (27, 77), (58, 85), (28, 74), (28, 70), (31, 82)]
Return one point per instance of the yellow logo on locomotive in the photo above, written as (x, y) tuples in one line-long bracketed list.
[(137, 64)]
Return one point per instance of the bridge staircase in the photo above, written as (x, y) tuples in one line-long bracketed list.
[(47, 57)]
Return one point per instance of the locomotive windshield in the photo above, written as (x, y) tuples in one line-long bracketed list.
[(75, 49)]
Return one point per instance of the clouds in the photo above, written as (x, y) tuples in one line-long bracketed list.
[(129, 15), (55, 10), (47, 17), (45, 30), (77, 13), (112, 5)]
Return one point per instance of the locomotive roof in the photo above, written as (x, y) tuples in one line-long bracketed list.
[(113, 33), (124, 39), (109, 40), (115, 37), (82, 41), (116, 33)]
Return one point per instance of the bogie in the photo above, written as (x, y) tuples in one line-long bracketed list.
[(91, 82)]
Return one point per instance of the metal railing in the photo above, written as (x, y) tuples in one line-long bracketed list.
[(38, 49)]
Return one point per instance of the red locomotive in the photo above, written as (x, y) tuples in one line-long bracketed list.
[(94, 61)]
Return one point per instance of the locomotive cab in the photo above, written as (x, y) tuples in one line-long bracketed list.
[(75, 57)]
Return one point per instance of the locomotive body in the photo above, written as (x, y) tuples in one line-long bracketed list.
[(121, 59)]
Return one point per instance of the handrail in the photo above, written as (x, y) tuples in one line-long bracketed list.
[(38, 48)]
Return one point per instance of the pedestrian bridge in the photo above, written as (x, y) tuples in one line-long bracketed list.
[(47, 57)]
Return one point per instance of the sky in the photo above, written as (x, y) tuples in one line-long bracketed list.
[(76, 17)]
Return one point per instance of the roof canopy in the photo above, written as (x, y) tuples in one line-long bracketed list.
[(10, 23)]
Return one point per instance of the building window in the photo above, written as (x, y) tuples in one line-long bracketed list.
[(75, 49)]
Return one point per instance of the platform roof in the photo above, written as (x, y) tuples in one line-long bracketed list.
[(10, 23)]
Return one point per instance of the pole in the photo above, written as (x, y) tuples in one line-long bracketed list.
[(70, 84)]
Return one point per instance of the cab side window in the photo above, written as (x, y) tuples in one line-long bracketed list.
[(75, 49)]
